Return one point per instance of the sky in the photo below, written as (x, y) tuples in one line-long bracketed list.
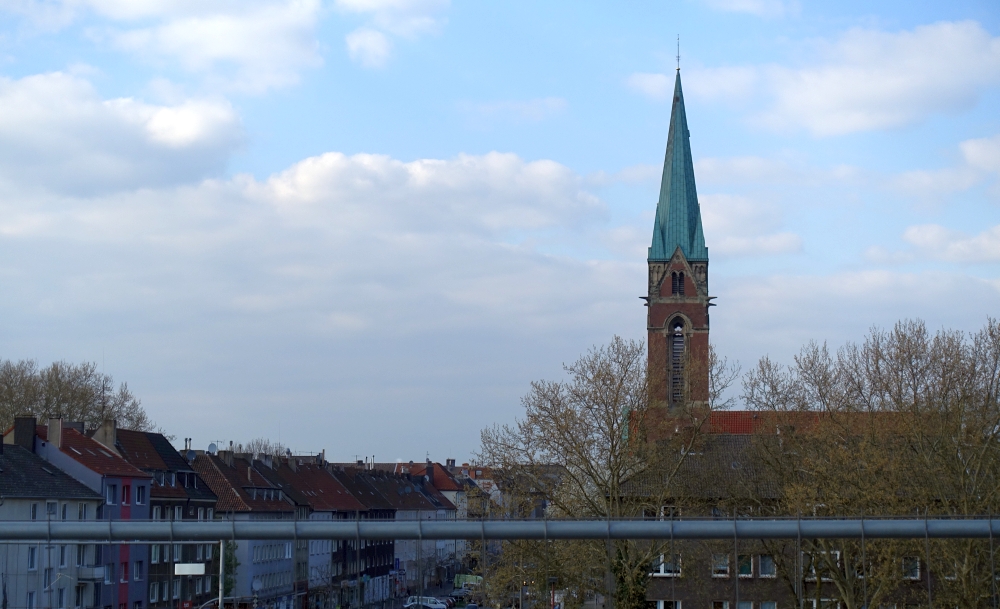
[(365, 226)]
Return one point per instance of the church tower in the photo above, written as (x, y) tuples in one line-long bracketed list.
[(678, 300)]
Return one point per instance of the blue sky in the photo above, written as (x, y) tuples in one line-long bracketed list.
[(366, 225)]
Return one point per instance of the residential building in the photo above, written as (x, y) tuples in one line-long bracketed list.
[(125, 490), (177, 493), (39, 575)]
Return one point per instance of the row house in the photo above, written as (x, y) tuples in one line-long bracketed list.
[(266, 567), (177, 493), (46, 576), (125, 490)]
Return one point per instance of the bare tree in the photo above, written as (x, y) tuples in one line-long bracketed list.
[(73, 392), (261, 446), (589, 447)]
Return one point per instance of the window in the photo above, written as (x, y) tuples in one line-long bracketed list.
[(823, 562), (79, 596), (154, 554), (62, 558), (51, 507), (33, 511), (32, 558), (124, 573), (677, 284), (111, 494), (911, 567), (80, 556), (668, 566), (178, 512), (47, 577), (200, 552), (744, 605), (720, 604), (768, 605), (61, 597), (137, 605), (201, 513), (165, 591), (31, 600), (137, 568), (156, 512), (211, 513), (720, 565), (744, 566), (109, 573), (126, 494), (177, 552), (154, 592), (165, 554), (208, 551), (173, 480), (140, 495), (767, 568), (177, 588), (197, 585), (65, 511), (81, 511)]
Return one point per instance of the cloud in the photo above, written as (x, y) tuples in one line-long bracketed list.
[(982, 154), (653, 86), (60, 135), (865, 80), (247, 45), (874, 80), (738, 226), (980, 162), (954, 246), (517, 111), (760, 8), (369, 46)]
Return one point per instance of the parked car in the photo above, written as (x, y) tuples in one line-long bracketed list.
[(425, 602)]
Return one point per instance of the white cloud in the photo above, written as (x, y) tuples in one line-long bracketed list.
[(736, 225), (879, 80), (517, 111), (368, 47), (982, 154), (954, 246), (247, 45), (760, 8), (59, 134), (865, 80), (654, 86)]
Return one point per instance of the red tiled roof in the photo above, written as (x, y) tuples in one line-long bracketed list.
[(228, 483), (443, 481), (323, 492), (138, 450), (92, 454)]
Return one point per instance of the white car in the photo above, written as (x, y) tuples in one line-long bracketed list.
[(427, 601)]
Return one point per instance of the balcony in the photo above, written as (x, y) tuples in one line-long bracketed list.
[(90, 574)]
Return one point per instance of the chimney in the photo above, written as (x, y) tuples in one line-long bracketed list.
[(24, 432), (55, 432), (107, 434), (429, 472), (450, 462)]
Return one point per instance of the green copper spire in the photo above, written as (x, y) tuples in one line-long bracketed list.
[(678, 216)]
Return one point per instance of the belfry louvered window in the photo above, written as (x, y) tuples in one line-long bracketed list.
[(677, 283), (677, 362)]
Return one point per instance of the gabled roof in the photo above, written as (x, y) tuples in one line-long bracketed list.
[(136, 448), (320, 488), (152, 452), (443, 480), (230, 484), (92, 454), (678, 215), (23, 474)]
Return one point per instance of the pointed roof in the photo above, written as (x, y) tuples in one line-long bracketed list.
[(678, 216)]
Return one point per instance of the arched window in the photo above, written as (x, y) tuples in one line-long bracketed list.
[(676, 371), (677, 283)]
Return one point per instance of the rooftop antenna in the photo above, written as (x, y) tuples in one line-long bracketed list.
[(678, 52)]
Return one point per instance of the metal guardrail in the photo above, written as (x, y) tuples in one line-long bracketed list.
[(125, 531)]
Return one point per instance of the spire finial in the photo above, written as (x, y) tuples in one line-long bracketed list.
[(678, 52)]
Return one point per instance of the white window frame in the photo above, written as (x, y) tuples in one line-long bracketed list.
[(154, 592), (716, 561), (744, 575), (661, 570), (32, 558), (760, 568), (811, 566), (903, 565)]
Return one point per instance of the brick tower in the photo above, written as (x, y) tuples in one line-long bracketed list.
[(678, 300)]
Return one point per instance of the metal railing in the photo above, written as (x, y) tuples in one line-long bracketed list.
[(125, 531)]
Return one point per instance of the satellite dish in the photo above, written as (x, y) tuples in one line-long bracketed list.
[(190, 455), (256, 585), (213, 448)]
